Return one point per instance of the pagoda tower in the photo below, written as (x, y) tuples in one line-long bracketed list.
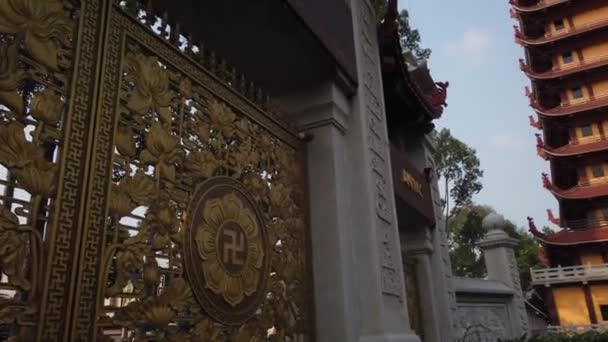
[(566, 59)]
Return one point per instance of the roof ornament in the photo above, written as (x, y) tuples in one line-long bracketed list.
[(532, 228), (546, 182), (522, 65), (540, 146), (512, 13), (437, 98), (531, 97), (539, 140), (517, 34), (552, 218), (534, 123)]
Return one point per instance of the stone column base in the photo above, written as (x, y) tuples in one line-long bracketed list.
[(390, 338)]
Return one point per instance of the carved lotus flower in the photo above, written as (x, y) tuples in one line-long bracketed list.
[(125, 141), (43, 25), (185, 87), (38, 177), (26, 161), (131, 192), (222, 118), (129, 260), (162, 150), (10, 77), (279, 194), (232, 286), (178, 295), (244, 334), (151, 272), (15, 151), (205, 331), (158, 315), (201, 165), (152, 87), (12, 249), (47, 107)]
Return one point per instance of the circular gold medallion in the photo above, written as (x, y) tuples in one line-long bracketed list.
[(226, 250)]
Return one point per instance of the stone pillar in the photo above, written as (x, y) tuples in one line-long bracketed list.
[(422, 251), (322, 111), (499, 255), (384, 315)]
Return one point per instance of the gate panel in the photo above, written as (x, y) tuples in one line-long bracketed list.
[(195, 228), (48, 54)]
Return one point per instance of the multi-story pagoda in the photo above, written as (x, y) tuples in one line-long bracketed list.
[(566, 49)]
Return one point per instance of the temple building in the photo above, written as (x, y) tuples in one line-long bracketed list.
[(566, 59)]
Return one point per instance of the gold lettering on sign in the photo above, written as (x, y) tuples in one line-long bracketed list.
[(411, 182)]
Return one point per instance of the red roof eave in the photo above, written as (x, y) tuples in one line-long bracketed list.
[(580, 192), (573, 150), (572, 109), (569, 237), (537, 7)]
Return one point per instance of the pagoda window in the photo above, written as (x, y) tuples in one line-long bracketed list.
[(577, 92), (597, 171), (586, 131), (558, 24), (604, 311), (567, 57)]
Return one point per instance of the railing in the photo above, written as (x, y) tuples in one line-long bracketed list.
[(569, 274), (585, 224), (602, 327)]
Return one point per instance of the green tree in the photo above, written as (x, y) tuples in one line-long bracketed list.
[(458, 165), (467, 232), (410, 37)]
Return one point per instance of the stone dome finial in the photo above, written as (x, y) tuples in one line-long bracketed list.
[(493, 221)]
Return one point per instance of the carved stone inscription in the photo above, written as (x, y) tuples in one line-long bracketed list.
[(379, 154)]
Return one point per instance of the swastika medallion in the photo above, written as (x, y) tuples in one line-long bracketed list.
[(226, 250)]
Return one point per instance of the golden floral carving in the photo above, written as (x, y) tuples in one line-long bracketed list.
[(131, 192), (26, 161), (201, 165), (42, 24), (157, 312), (12, 249), (162, 150), (47, 107), (232, 287), (152, 91), (125, 141), (129, 259), (10, 78), (185, 87), (205, 331), (222, 118), (244, 334)]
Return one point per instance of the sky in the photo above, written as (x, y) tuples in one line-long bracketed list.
[(473, 48)]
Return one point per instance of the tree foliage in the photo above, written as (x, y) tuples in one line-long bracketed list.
[(410, 37), (458, 165), (466, 233)]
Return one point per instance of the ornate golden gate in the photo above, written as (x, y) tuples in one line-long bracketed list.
[(145, 193)]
